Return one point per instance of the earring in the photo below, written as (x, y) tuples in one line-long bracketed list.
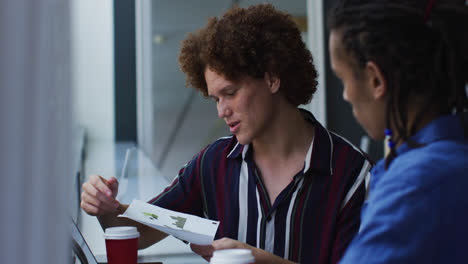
[(388, 137)]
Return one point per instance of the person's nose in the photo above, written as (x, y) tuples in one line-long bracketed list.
[(223, 109)]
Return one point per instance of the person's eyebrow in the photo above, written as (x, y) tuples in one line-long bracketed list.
[(224, 90)]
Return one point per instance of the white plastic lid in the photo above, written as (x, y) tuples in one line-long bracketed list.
[(121, 232), (232, 256)]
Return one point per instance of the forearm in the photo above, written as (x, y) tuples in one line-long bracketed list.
[(111, 220), (264, 257), (148, 235)]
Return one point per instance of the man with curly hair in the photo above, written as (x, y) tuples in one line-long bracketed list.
[(281, 184)]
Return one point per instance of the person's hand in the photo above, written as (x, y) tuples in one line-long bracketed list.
[(261, 256), (206, 252), (98, 196), (227, 243)]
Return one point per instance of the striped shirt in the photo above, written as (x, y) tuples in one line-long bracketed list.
[(311, 221)]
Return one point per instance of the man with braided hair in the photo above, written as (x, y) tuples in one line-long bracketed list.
[(281, 185), (404, 68)]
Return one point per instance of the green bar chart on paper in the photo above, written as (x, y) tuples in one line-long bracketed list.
[(186, 227)]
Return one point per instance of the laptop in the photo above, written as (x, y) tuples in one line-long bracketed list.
[(84, 254)]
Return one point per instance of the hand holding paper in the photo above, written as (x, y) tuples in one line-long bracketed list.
[(187, 227)]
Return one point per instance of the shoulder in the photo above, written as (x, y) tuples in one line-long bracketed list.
[(419, 185), (220, 148), (350, 162), (430, 165), (331, 144), (426, 174), (341, 144), (352, 167), (213, 155)]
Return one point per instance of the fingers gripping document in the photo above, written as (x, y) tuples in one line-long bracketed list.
[(186, 227)]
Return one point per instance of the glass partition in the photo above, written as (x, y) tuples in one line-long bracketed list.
[(175, 122)]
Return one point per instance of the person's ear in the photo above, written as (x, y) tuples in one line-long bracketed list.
[(272, 81), (376, 80)]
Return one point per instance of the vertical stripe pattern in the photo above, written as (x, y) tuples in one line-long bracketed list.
[(243, 203), (270, 234), (359, 181), (259, 220), (312, 220), (288, 220)]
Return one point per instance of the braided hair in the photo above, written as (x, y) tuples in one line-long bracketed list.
[(421, 47)]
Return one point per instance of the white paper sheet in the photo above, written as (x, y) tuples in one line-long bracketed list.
[(186, 227)]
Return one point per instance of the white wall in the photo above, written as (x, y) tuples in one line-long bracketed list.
[(93, 67)]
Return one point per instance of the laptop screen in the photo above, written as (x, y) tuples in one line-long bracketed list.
[(80, 247), (83, 252)]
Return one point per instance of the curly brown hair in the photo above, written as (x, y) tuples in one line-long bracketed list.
[(251, 42)]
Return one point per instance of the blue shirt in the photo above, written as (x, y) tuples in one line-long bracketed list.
[(312, 220), (417, 211)]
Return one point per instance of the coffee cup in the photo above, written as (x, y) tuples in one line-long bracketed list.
[(232, 256), (122, 244)]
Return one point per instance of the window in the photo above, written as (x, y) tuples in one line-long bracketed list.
[(175, 122)]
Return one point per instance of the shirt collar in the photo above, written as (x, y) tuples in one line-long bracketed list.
[(319, 156), (322, 151), (236, 151)]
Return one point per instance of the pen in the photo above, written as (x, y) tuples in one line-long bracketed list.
[(123, 182)]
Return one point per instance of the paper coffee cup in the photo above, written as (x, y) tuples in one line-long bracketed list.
[(122, 244), (232, 256)]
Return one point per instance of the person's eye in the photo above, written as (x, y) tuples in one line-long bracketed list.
[(231, 93)]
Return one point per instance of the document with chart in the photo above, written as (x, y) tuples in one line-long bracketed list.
[(186, 227)]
